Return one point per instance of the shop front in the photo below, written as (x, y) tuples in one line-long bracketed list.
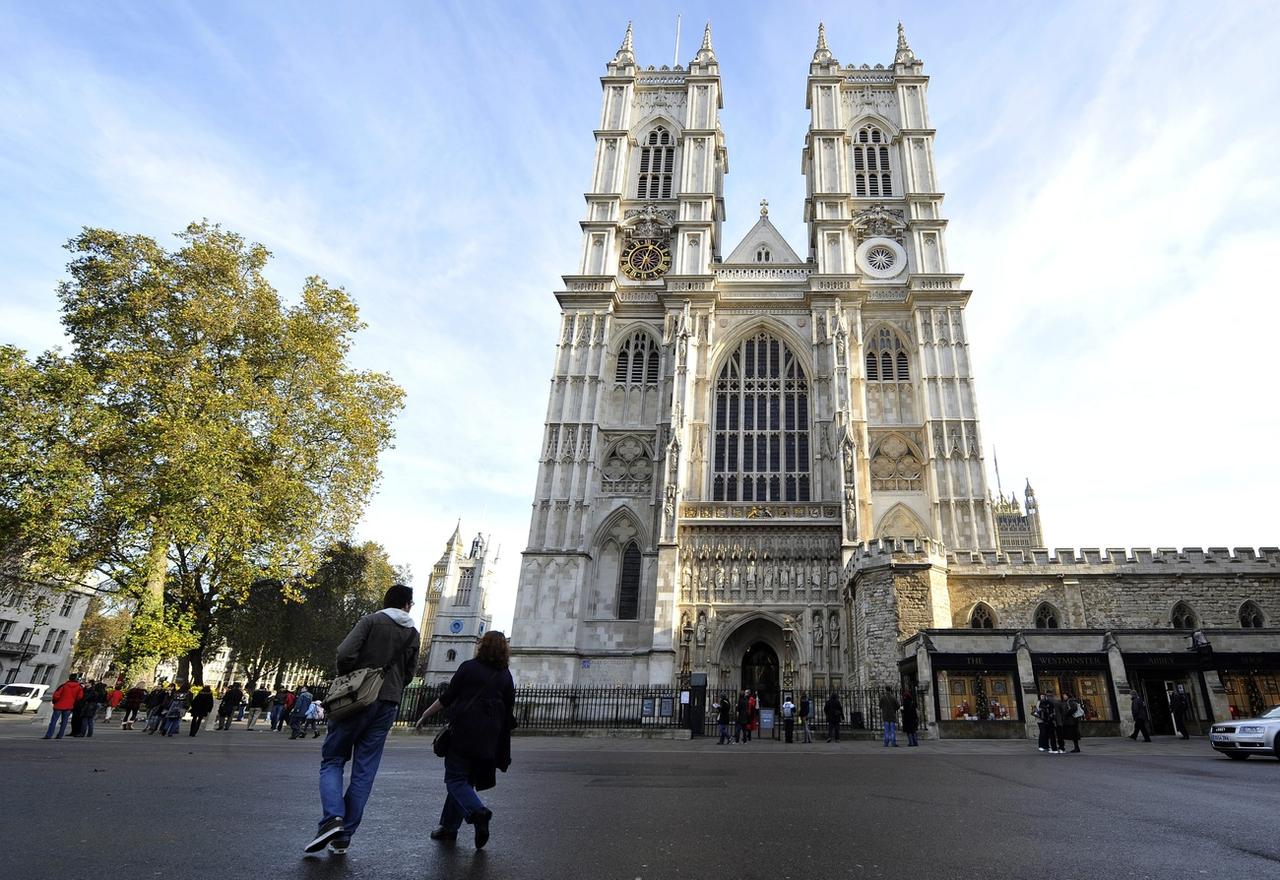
[(976, 696), (1158, 677), (1086, 677), (1251, 680)]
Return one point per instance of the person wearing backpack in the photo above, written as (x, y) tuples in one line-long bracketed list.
[(480, 700), (1044, 718), (789, 720), (806, 718), (386, 641)]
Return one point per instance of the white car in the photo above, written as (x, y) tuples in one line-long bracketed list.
[(1248, 736), (21, 697)]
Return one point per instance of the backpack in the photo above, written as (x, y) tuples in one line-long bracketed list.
[(1077, 710)]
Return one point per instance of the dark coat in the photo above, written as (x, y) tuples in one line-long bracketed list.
[(910, 717), (133, 699), (230, 702), (202, 703), (480, 705), (835, 711), (723, 711), (377, 641), (744, 710), (259, 698), (1138, 708)]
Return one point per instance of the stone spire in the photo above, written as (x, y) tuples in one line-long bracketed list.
[(626, 52), (904, 54), (706, 55), (822, 54)]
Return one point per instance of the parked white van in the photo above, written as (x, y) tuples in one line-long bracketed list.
[(21, 697)]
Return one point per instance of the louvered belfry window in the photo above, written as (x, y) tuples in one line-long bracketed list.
[(761, 424), (872, 178), (657, 165), (886, 358), (637, 361)]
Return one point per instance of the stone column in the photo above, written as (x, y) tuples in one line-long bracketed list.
[(1030, 688)]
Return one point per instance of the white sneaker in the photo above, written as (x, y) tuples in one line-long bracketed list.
[(1044, 750)]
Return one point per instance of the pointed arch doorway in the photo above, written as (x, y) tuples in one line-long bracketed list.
[(760, 674)]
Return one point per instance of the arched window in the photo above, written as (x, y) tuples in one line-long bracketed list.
[(886, 359), (637, 361), (761, 424), (629, 583), (871, 175), (1183, 617), (450, 655), (982, 617), (1046, 616), (465, 582), (763, 255), (1251, 616), (657, 165)]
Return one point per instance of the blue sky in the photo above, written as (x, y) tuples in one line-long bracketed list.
[(1110, 175)]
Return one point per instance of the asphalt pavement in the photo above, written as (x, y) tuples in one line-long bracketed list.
[(242, 804)]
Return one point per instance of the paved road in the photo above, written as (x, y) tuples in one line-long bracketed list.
[(242, 804)]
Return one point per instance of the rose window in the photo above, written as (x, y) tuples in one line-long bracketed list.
[(881, 259)]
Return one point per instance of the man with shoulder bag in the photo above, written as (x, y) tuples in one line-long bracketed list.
[(375, 662)]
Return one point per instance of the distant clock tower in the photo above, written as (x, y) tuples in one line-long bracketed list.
[(456, 613)]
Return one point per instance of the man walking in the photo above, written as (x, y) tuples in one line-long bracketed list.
[(298, 714), (132, 703), (835, 714), (1141, 720), (788, 719), (743, 716), (385, 640), (257, 705), (201, 706), (278, 704), (1178, 705), (229, 705), (65, 698), (723, 712), (806, 717), (889, 715)]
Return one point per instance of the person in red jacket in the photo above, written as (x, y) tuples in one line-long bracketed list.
[(64, 700), (113, 701)]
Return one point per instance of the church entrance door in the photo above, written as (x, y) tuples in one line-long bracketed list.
[(760, 674)]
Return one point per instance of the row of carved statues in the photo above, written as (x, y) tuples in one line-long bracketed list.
[(711, 580), (824, 628)]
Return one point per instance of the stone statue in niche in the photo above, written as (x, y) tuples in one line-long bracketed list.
[(817, 638), (847, 450), (770, 572), (686, 582), (702, 629), (684, 626), (784, 581), (833, 579), (735, 581), (669, 507), (815, 580), (833, 625), (751, 577), (719, 580)]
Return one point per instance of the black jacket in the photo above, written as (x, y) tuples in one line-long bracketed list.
[(910, 717), (480, 703), (1139, 708), (259, 698), (834, 711), (723, 711), (378, 641), (202, 703)]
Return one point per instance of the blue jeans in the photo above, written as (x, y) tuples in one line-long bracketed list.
[(172, 725), (87, 724), (358, 739), (891, 733), (462, 800), (65, 716), (277, 716)]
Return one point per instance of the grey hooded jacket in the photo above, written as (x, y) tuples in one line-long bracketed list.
[(385, 639)]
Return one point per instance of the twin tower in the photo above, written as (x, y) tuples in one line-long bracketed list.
[(723, 431)]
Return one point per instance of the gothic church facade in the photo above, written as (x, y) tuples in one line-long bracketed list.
[(739, 439)]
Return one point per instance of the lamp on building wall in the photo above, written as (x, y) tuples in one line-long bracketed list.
[(1200, 643)]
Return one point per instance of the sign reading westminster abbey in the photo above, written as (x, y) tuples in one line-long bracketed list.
[(768, 468)]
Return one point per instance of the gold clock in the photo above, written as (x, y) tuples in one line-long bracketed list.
[(645, 260)]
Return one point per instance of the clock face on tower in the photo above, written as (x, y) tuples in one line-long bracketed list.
[(645, 260)]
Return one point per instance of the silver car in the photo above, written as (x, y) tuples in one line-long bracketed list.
[(1248, 736)]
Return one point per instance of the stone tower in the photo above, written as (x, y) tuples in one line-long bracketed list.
[(456, 612), (722, 432)]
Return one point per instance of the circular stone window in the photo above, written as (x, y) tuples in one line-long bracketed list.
[(881, 258)]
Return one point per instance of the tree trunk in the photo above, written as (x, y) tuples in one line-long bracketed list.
[(157, 566), (196, 660), (279, 672)]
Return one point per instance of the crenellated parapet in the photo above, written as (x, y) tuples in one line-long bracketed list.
[(1140, 559)]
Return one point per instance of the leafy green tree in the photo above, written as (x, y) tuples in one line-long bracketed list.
[(225, 435), (101, 632)]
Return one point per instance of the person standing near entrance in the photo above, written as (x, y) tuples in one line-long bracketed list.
[(753, 713), (1044, 717), (889, 715), (1178, 705), (835, 714), (788, 719), (1071, 726), (910, 718), (64, 699), (1141, 720), (806, 718), (742, 716), (723, 713)]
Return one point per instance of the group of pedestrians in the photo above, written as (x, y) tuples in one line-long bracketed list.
[(747, 716), (1059, 721), (1179, 709), (162, 708)]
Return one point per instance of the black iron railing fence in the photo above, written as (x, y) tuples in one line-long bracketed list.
[(649, 707)]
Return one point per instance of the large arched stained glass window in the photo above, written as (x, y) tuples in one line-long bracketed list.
[(629, 584), (761, 424)]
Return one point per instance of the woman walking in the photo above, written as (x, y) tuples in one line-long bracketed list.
[(910, 718), (201, 706), (480, 704)]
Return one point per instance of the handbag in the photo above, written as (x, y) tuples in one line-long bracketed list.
[(444, 736), (354, 692)]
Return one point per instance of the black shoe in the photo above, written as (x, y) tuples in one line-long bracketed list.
[(480, 819), (340, 844), (445, 834), (329, 829), (1073, 751)]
